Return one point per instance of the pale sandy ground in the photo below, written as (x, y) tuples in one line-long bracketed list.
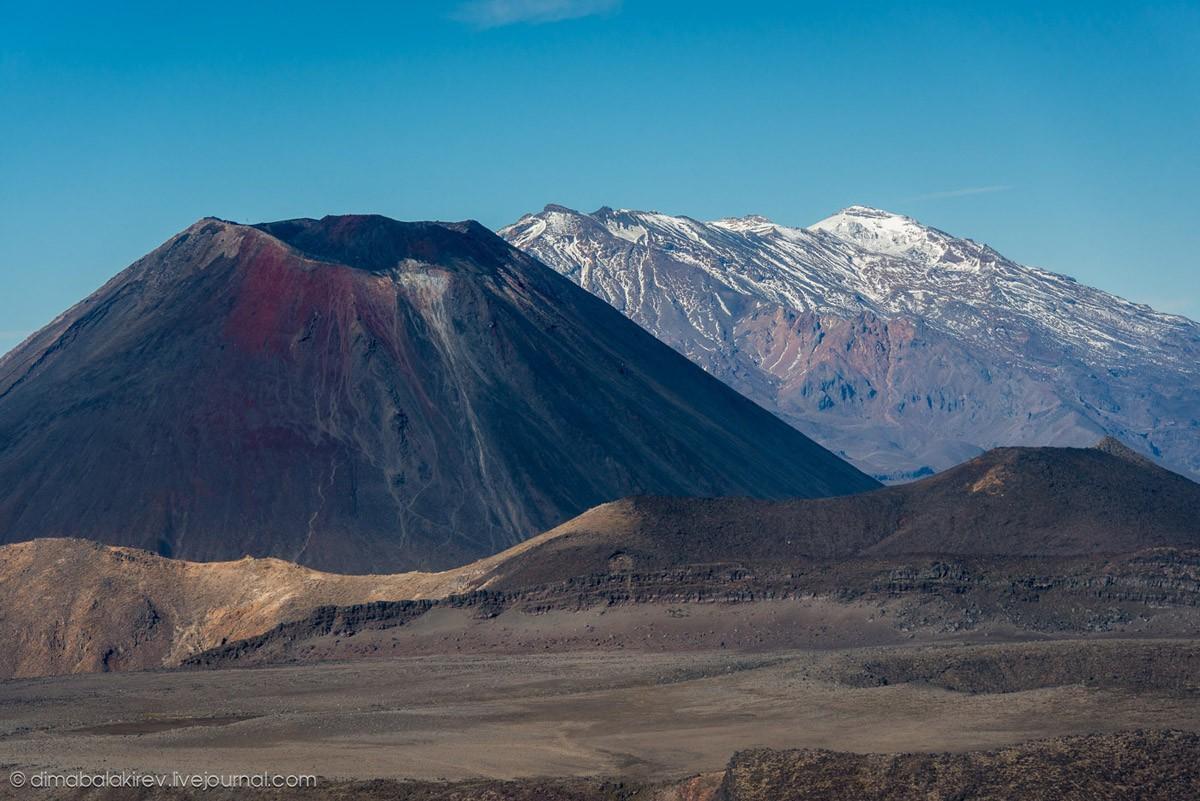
[(636, 714)]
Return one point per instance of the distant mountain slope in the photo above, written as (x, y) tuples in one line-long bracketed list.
[(362, 394), (893, 343)]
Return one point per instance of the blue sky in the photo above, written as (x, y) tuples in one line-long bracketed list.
[(1066, 135)]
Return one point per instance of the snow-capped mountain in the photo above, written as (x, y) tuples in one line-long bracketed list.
[(898, 345)]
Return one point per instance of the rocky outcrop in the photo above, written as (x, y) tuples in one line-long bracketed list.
[(1151, 593), (1148, 765)]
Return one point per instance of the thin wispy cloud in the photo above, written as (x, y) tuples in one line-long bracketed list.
[(496, 13), (970, 190)]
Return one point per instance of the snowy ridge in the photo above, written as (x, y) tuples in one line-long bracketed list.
[(1055, 361)]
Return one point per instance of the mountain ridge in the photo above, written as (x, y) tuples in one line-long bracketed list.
[(899, 346)]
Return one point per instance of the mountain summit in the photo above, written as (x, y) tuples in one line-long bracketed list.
[(898, 345), (361, 394), (903, 237)]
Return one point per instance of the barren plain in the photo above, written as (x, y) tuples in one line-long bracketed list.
[(641, 718)]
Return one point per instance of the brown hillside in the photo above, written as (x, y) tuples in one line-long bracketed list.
[(72, 606), (971, 537), (1009, 502)]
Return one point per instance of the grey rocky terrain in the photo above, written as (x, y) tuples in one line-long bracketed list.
[(899, 346)]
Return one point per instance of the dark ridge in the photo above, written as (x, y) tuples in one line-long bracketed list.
[(376, 243), (276, 644), (1009, 502)]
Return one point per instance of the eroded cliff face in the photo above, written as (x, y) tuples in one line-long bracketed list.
[(898, 386), (900, 346), (361, 394)]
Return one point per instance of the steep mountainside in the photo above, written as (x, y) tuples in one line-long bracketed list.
[(901, 347), (361, 394)]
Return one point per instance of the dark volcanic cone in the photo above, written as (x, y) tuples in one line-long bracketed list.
[(361, 394)]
